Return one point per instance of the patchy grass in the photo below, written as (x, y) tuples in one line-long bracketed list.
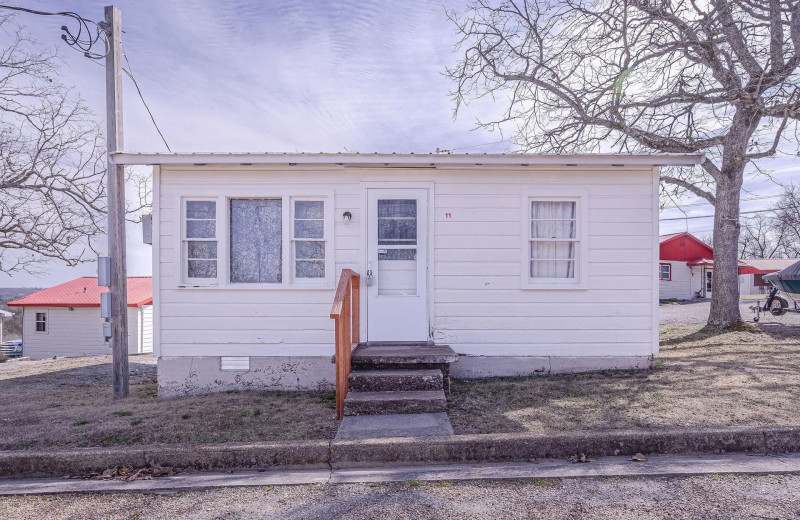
[(702, 377), (68, 403)]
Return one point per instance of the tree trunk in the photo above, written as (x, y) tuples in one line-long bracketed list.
[(725, 279)]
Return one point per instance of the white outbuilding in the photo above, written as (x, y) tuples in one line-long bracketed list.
[(64, 320), (522, 264)]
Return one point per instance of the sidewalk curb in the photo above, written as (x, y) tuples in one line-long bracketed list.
[(499, 447)]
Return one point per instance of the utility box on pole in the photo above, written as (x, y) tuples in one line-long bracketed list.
[(116, 201)]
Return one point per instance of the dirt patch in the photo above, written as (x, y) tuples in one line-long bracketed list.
[(702, 377), (68, 403)]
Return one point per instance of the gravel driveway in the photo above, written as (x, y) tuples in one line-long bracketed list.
[(696, 313), (709, 497)]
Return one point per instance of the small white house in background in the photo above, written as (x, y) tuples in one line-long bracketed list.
[(523, 264), (753, 282), (65, 320), (685, 267)]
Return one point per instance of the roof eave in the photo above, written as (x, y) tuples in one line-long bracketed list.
[(406, 159)]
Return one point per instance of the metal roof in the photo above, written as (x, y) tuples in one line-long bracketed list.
[(769, 265), (386, 159), (84, 292)]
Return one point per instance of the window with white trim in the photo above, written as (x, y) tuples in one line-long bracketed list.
[(665, 272), (555, 239), (199, 240), (554, 242), (308, 239), (41, 322)]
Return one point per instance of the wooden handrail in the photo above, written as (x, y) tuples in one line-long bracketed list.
[(344, 312)]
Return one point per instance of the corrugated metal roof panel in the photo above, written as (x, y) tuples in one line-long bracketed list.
[(84, 292)]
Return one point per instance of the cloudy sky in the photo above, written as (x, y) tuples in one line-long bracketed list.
[(289, 75)]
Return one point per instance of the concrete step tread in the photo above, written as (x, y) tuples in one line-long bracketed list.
[(396, 395), (395, 379), (403, 354), (395, 425), (399, 372)]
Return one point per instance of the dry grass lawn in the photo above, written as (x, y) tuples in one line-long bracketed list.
[(67, 403), (702, 377)]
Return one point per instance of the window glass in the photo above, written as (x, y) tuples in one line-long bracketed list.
[(397, 247), (200, 240), (309, 239), (256, 240), (553, 239), (41, 322)]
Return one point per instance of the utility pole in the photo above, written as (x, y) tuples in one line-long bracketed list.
[(116, 202)]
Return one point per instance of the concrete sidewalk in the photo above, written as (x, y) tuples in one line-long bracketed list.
[(611, 467)]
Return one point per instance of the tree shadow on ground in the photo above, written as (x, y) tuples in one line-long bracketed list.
[(694, 382)]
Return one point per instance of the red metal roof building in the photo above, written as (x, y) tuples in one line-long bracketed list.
[(84, 292), (683, 247)]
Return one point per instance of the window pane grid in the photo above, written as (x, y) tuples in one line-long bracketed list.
[(553, 243), (199, 237), (308, 239)]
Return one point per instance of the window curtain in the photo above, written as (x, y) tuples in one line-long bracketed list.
[(256, 245), (552, 225)]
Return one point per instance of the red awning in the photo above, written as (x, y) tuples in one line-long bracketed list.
[(705, 262)]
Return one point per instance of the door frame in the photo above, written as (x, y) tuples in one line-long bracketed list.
[(363, 249)]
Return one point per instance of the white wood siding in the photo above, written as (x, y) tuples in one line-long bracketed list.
[(477, 305), (146, 328), (681, 285), (71, 333)]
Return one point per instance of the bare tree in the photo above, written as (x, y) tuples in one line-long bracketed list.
[(759, 238), (787, 221), (52, 163), (679, 76)]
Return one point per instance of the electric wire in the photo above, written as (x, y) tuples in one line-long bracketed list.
[(711, 216), (129, 72), (85, 44)]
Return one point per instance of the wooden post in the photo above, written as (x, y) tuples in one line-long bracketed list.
[(116, 202)]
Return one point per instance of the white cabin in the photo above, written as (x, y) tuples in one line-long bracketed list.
[(64, 321), (523, 264)]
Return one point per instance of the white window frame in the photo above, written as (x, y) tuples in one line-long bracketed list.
[(327, 238), (661, 266), (46, 322), (184, 243), (581, 278)]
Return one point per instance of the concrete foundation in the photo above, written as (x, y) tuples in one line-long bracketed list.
[(202, 375), (476, 367)]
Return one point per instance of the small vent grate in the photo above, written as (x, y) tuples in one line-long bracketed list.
[(235, 363)]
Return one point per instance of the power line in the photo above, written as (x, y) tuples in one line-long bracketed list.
[(85, 43), (709, 204), (129, 72), (449, 150), (81, 41), (710, 216)]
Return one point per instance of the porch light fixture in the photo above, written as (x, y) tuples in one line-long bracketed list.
[(346, 217)]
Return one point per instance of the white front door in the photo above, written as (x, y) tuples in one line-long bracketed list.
[(397, 260), (709, 277)]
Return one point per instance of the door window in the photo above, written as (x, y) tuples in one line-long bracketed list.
[(397, 246)]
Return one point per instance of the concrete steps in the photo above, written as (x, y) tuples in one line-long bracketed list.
[(397, 379)]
